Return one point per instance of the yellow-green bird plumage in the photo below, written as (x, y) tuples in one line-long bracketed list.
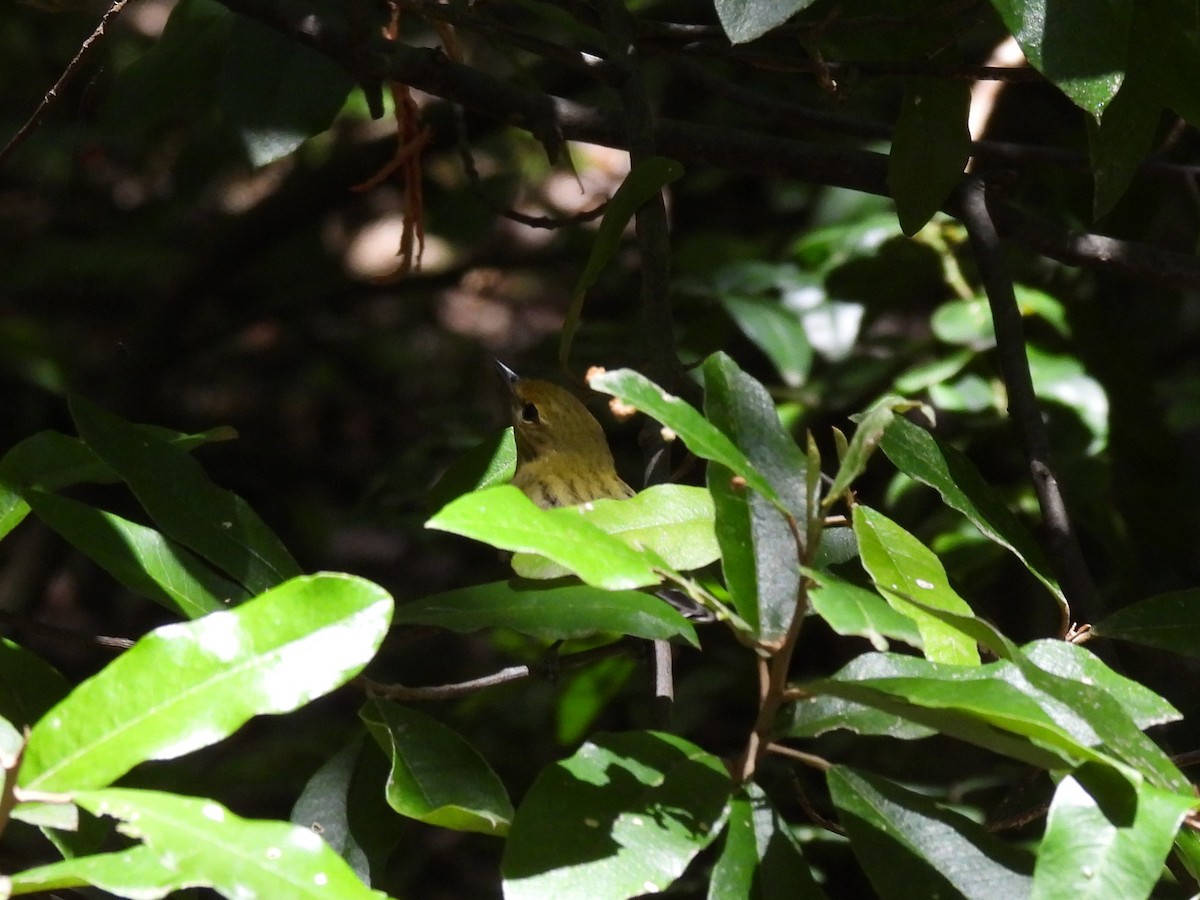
[(563, 457)]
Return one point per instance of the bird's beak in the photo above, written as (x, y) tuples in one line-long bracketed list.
[(510, 377)]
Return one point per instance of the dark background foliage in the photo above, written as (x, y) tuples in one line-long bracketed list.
[(147, 265)]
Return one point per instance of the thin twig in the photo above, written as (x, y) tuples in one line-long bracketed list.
[(406, 694), (64, 79), (809, 810), (1065, 553), (809, 759), (33, 626), (472, 172)]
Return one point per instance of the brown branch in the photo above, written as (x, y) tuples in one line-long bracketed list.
[(403, 693), (1064, 551), (552, 119), (33, 626), (72, 69)]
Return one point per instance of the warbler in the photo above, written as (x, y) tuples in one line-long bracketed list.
[(563, 457)]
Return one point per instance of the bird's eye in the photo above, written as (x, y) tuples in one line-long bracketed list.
[(529, 414)]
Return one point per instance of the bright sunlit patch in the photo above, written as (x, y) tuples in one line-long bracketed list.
[(219, 634), (372, 251), (305, 840), (213, 811)]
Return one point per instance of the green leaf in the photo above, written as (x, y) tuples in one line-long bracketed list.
[(28, 685), (910, 846), (746, 20), (1122, 139), (276, 91), (1164, 55), (759, 553), (584, 694), (903, 569), (702, 438), (193, 842), (916, 453), (137, 872), (184, 503), (1168, 621), (1088, 699), (930, 148), (647, 178), (777, 331), (175, 78), (621, 817), (322, 807), (991, 706), (551, 613), (1187, 850), (851, 610), (815, 716), (871, 427), (1079, 667), (674, 521), (966, 322), (138, 557), (760, 858), (504, 517), (493, 461), (1063, 379), (186, 686), (1081, 48), (436, 777), (1106, 837)]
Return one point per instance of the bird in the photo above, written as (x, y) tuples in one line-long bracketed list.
[(563, 458)]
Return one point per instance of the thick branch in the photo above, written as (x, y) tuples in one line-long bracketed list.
[(1064, 548), (552, 118)]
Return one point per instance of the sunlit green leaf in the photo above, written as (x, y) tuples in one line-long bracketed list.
[(919, 455), (185, 686), (493, 461), (199, 843), (139, 557), (871, 426), (1106, 837), (674, 521), (851, 610), (701, 437), (504, 517), (903, 568), (622, 816), (436, 776)]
